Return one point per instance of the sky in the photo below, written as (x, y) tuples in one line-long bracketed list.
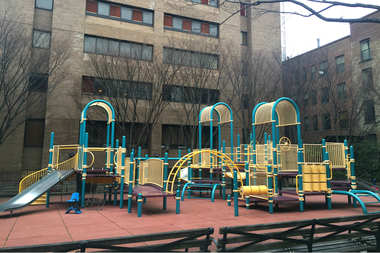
[(301, 33)]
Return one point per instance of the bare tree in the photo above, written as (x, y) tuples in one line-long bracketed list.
[(24, 71), (316, 8), (135, 89)]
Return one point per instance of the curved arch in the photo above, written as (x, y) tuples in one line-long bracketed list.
[(180, 164), (206, 115)]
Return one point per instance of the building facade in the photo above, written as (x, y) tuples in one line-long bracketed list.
[(152, 32), (336, 85)]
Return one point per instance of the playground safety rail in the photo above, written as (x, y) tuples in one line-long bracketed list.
[(184, 239), (312, 234)]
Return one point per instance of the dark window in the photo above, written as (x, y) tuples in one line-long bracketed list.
[(367, 78), (313, 70), (243, 9), (306, 123), (190, 25), (323, 68), (182, 94), (365, 50), (117, 88), (177, 136), (369, 111), (339, 62), (34, 133), (190, 58), (325, 95), (120, 12), (315, 122), (112, 47), (313, 94), (244, 38), (341, 88), (326, 121), (38, 82), (213, 3), (343, 120), (44, 4), (41, 39)]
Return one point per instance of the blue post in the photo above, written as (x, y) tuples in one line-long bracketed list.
[(178, 202), (130, 183), (139, 204), (123, 153), (270, 188), (229, 199), (328, 182), (166, 164), (346, 156), (50, 166), (352, 161), (84, 166), (138, 161), (300, 181), (236, 195)]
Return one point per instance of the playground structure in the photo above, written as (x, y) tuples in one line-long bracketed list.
[(254, 172)]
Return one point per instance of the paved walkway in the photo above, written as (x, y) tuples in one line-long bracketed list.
[(39, 225)]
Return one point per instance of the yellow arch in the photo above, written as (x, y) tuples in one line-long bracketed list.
[(180, 164)]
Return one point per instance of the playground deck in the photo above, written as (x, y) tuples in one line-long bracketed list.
[(40, 225)]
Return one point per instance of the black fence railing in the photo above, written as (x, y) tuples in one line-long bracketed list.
[(354, 233), (197, 239)]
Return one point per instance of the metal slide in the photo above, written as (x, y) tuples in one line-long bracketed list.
[(35, 190)]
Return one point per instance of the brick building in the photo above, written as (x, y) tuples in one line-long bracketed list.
[(146, 31)]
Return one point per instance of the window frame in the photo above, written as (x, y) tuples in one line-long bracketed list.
[(326, 121), (340, 68), (372, 118), (43, 88), (36, 7), (367, 41), (131, 43), (171, 94), (41, 31), (122, 6), (244, 38), (169, 51), (27, 144), (208, 3), (202, 24)]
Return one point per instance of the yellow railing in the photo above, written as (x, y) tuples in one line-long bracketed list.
[(37, 175)]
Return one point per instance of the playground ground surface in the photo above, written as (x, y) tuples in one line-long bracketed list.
[(41, 225)]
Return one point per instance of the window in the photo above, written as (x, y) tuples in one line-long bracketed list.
[(184, 94), (365, 51), (341, 90), (120, 12), (313, 97), (306, 99), (190, 25), (34, 133), (243, 9), (105, 46), (177, 136), (306, 123), (117, 88), (44, 4), (38, 82), (313, 70), (343, 120), (323, 68), (367, 78), (41, 39), (326, 121), (190, 58), (325, 95), (315, 122), (369, 111), (339, 62), (244, 38), (213, 3)]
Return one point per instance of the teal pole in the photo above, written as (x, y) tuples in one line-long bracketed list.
[(300, 181), (84, 166), (178, 202), (189, 170), (123, 153), (130, 183), (166, 164), (50, 167), (328, 182), (352, 161), (270, 188), (236, 196), (139, 204), (138, 161), (229, 199), (238, 148), (346, 156)]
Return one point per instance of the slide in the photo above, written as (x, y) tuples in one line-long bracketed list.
[(35, 190)]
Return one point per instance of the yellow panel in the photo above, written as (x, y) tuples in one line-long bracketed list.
[(307, 187), (315, 187), (288, 157), (323, 187), (313, 153), (336, 154), (307, 178), (152, 172)]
